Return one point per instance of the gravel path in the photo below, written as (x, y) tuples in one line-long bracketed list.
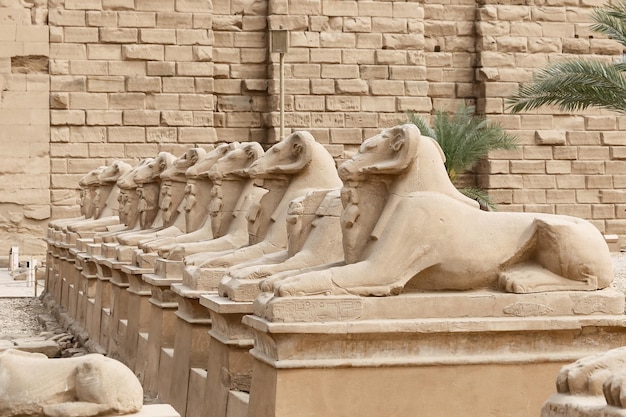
[(18, 316)]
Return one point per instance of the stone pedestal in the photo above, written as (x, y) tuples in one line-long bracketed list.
[(191, 345), (138, 316), (559, 405), (230, 365), (437, 354), (119, 312), (162, 328)]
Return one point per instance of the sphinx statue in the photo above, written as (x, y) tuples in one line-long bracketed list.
[(106, 200), (147, 177), (171, 197), (31, 384), (428, 236), (196, 203), (88, 185), (594, 385), (232, 194), (313, 240), (289, 170), (128, 204)]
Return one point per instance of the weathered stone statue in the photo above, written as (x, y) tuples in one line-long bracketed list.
[(106, 200), (31, 384), (427, 236), (198, 190), (289, 170), (172, 192), (231, 196), (314, 241), (592, 386)]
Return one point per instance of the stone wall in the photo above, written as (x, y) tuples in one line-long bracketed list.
[(24, 131), (571, 162), (129, 78)]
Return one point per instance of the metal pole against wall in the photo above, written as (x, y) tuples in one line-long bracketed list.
[(279, 43), (282, 95)]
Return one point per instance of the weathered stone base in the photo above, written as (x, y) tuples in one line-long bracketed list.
[(443, 354), (559, 405)]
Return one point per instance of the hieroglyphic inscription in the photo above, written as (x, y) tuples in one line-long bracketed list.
[(308, 310)]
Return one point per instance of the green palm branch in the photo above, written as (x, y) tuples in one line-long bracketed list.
[(579, 84), (465, 138)]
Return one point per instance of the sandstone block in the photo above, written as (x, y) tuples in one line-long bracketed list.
[(593, 152), (143, 52), (326, 56), (570, 181), (123, 101), (128, 68), (369, 41), (599, 181), (176, 118), (339, 8), (104, 52), (361, 120), (80, 100), (201, 6), (60, 17), (601, 122), (328, 120), (107, 150), (104, 117), (539, 181), (378, 103), (565, 153), (615, 167), (529, 196), (178, 53), (118, 35), (161, 134), (500, 181), (201, 37), (118, 4), (179, 85), (160, 68), (141, 117), (100, 18), (126, 134), (415, 104), (87, 134), (356, 87), (337, 40), (387, 87), (144, 84), (67, 117), (618, 152), (194, 69)]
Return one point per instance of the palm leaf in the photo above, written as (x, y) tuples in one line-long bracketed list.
[(610, 21), (574, 85), (481, 197), (464, 137)]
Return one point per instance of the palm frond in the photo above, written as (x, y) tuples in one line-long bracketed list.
[(574, 85), (481, 197), (610, 21), (464, 137)]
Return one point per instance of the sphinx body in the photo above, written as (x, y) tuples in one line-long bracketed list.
[(31, 384), (428, 236), (289, 170), (231, 195)]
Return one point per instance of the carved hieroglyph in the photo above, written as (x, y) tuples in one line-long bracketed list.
[(31, 384), (428, 236)]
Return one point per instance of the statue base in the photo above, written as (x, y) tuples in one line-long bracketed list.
[(471, 353), (560, 405), (228, 353)]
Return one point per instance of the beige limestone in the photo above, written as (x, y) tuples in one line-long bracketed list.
[(314, 240), (389, 248), (289, 170), (34, 385)]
